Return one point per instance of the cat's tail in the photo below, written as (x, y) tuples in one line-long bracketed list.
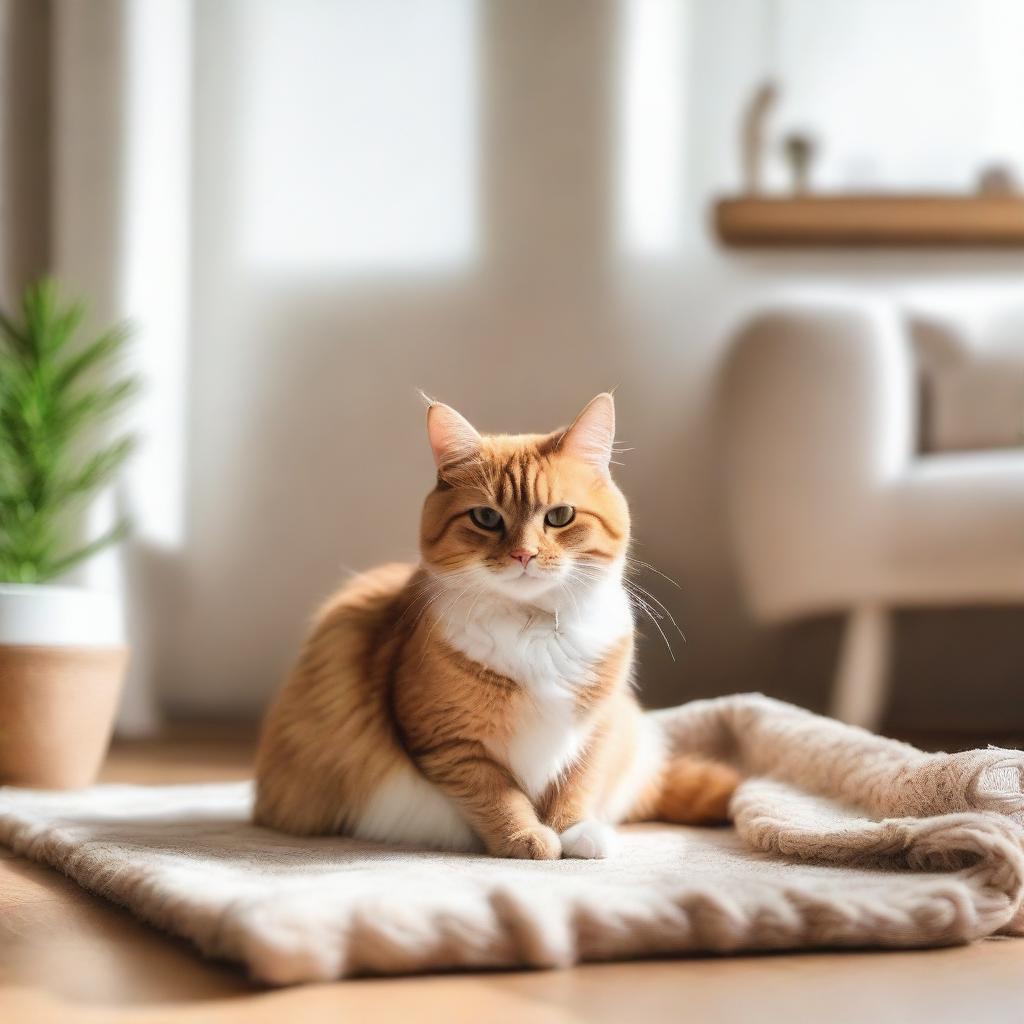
[(689, 791)]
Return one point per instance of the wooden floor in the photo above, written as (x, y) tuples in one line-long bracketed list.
[(69, 956)]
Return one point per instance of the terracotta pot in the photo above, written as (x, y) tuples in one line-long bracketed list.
[(62, 665)]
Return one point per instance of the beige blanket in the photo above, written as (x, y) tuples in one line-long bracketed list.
[(841, 839)]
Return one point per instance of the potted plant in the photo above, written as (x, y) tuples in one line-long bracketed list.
[(62, 656)]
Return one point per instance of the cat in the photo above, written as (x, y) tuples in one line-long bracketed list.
[(483, 700)]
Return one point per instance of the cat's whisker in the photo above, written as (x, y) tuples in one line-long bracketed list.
[(647, 565), (645, 602), (581, 577), (627, 582), (430, 590), (418, 597), (434, 598), (648, 596), (423, 609), (476, 598), (657, 625), (638, 602), (451, 604), (642, 606), (576, 604)]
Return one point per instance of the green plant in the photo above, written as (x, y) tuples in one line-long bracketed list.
[(56, 395)]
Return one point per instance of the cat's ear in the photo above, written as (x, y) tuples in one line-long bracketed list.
[(592, 432), (452, 437)]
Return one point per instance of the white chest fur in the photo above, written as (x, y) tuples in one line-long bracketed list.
[(552, 657)]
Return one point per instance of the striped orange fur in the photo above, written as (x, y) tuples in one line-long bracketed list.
[(483, 699)]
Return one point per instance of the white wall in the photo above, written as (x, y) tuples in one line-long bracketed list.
[(305, 453)]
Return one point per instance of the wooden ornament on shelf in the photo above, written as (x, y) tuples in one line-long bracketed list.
[(753, 133), (799, 148)]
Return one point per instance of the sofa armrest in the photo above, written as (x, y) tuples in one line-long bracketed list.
[(818, 414)]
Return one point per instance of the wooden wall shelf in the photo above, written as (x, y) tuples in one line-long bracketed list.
[(871, 220)]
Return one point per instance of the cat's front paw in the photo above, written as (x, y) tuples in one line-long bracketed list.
[(539, 843), (589, 840)]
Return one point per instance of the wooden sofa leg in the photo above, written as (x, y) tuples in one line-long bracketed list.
[(861, 688)]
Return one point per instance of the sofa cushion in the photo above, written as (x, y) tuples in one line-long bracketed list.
[(972, 381)]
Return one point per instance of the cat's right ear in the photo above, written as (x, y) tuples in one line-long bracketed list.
[(452, 437)]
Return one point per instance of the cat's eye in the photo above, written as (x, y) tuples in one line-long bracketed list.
[(486, 518), (560, 515)]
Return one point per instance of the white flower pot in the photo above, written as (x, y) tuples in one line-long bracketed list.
[(62, 665)]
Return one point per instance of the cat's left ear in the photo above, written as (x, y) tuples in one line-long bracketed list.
[(592, 433), (452, 437)]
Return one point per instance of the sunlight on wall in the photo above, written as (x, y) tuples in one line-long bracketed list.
[(358, 135), (155, 240), (651, 75)]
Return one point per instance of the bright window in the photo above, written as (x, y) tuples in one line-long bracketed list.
[(650, 125), (358, 130)]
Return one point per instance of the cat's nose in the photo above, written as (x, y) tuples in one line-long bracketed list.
[(522, 555)]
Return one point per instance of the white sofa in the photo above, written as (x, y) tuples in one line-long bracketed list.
[(873, 459)]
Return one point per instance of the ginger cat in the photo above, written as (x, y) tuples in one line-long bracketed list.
[(483, 699)]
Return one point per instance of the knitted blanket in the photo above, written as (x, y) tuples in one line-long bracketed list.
[(841, 838)]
